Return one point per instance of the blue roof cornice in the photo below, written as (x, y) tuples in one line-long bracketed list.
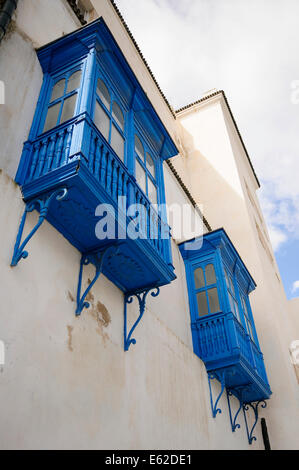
[(218, 240)]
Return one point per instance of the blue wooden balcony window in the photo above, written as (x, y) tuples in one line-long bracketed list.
[(89, 115), (62, 100), (223, 330)]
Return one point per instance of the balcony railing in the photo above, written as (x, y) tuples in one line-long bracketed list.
[(75, 156), (223, 344), (79, 138)]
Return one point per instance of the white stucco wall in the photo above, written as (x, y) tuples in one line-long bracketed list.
[(293, 305), (21, 73), (294, 314), (63, 374), (66, 382)]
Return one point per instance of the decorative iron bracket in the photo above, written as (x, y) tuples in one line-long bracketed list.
[(42, 203), (221, 379), (238, 393), (254, 406), (97, 259), (141, 297)]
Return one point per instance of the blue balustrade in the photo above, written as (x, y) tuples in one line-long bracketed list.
[(51, 151)]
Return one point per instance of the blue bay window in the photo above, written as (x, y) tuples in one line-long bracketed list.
[(222, 324), (96, 139)]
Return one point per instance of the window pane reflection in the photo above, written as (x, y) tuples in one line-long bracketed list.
[(74, 81), (152, 192), (117, 142), (103, 93), (139, 148), (140, 176), (68, 108), (58, 90), (101, 120), (210, 274), (198, 278), (52, 117), (118, 115), (213, 300), (150, 164), (202, 303)]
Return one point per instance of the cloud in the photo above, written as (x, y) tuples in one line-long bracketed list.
[(295, 286), (249, 49), (277, 237)]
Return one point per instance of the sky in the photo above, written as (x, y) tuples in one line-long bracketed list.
[(249, 49)]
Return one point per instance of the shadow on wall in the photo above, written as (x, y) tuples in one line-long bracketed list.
[(224, 207)]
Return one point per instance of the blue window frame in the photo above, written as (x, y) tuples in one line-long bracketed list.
[(205, 289), (248, 318), (109, 118), (64, 91), (232, 293), (145, 170), (218, 282)]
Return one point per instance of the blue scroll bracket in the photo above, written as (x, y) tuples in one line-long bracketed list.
[(141, 297), (42, 204), (254, 406), (97, 259), (237, 392), (220, 376)]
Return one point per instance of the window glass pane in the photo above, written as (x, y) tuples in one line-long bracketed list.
[(226, 279), (248, 323), (152, 191), (150, 164), (58, 90), (213, 300), (140, 176), (202, 303), (210, 274), (103, 93), (232, 303), (250, 330), (102, 120), (52, 117), (74, 81), (231, 285), (237, 311), (244, 307), (234, 307), (117, 142), (198, 278), (139, 148), (68, 108), (118, 115)]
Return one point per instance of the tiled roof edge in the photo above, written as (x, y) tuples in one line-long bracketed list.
[(142, 56), (218, 92)]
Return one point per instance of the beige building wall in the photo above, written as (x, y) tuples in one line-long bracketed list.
[(66, 382), (294, 315), (294, 340), (221, 179)]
